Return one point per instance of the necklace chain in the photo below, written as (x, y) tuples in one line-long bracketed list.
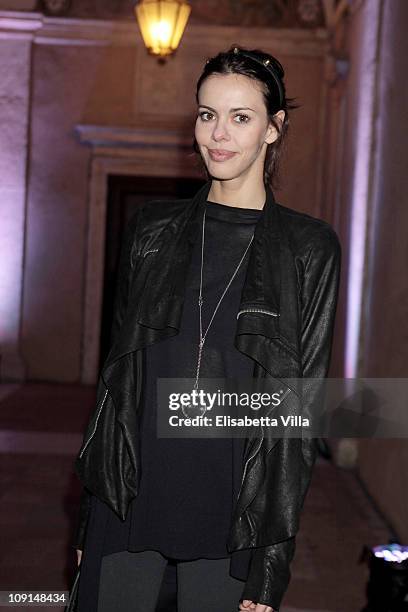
[(201, 299)]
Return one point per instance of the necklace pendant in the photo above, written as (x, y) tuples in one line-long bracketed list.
[(194, 408)]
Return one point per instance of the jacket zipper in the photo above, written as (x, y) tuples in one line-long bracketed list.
[(149, 251), (249, 459), (269, 312), (95, 426), (255, 453)]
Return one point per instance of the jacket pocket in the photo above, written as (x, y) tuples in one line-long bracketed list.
[(272, 313), (257, 319)]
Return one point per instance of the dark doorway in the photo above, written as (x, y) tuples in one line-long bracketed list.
[(124, 194)]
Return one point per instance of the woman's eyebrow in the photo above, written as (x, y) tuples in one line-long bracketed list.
[(231, 110)]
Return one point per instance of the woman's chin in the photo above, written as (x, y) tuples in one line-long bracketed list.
[(217, 171), (221, 176)]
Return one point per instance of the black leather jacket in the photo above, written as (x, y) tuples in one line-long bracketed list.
[(284, 323)]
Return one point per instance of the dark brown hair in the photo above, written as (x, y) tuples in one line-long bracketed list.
[(230, 62)]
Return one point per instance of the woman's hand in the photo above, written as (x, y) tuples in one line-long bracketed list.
[(79, 555), (251, 606)]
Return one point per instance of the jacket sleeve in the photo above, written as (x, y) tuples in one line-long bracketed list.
[(120, 304), (83, 515), (318, 306), (269, 572)]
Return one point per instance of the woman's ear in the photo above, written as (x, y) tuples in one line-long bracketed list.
[(272, 133)]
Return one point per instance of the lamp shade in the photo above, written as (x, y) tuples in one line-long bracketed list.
[(162, 23)]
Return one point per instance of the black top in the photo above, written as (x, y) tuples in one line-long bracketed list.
[(189, 486)]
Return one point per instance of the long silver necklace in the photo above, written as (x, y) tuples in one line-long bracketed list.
[(202, 407)]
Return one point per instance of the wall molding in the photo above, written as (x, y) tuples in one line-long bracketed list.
[(100, 137), (74, 31)]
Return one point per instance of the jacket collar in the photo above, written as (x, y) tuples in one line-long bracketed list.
[(165, 285), (270, 276)]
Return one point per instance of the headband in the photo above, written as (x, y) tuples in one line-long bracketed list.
[(266, 64)]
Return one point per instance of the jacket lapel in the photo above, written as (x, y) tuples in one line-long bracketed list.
[(161, 302), (157, 309)]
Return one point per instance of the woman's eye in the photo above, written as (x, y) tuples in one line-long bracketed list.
[(201, 115), (242, 115)]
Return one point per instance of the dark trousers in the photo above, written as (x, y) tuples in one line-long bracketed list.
[(131, 582)]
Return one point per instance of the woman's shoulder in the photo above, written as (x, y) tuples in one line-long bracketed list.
[(152, 215), (306, 232), (156, 210), (162, 210)]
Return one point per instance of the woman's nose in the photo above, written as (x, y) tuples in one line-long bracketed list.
[(220, 131)]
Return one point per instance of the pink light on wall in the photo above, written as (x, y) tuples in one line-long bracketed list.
[(14, 104), (364, 82)]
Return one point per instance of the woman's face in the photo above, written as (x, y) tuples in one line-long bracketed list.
[(232, 127)]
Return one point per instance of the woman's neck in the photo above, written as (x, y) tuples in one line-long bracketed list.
[(232, 193)]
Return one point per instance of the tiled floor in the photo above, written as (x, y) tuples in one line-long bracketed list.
[(40, 432)]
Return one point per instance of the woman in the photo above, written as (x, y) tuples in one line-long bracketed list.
[(226, 284)]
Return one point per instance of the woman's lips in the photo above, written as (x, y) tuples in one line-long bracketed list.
[(220, 155)]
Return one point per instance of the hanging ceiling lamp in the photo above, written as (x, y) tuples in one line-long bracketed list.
[(162, 23)]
